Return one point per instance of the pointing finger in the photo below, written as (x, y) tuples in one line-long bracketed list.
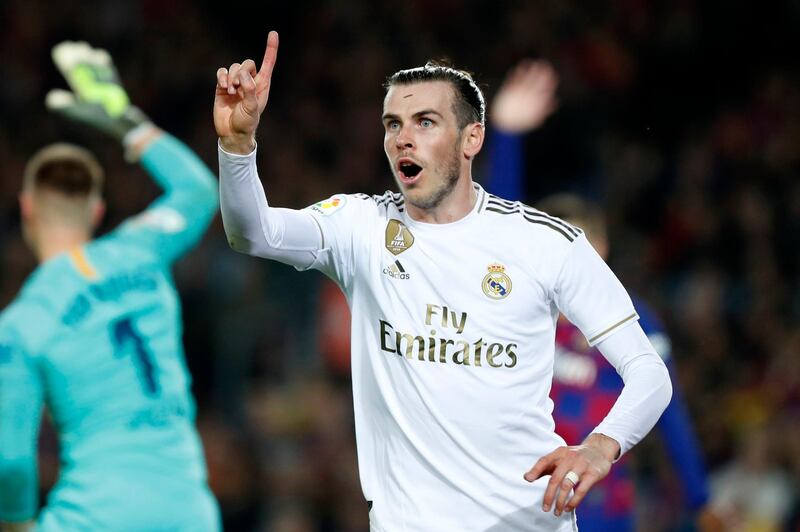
[(270, 56)]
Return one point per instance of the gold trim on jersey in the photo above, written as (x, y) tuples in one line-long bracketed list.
[(82, 264), (621, 322), (398, 237)]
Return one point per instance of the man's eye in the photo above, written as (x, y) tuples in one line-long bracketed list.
[(393, 125), (426, 122)]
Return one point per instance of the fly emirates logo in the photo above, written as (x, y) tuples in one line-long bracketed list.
[(433, 348)]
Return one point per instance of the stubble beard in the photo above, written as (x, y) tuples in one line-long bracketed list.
[(444, 188)]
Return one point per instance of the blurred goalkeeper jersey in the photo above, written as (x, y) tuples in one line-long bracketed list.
[(96, 335)]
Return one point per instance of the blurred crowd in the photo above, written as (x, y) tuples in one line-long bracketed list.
[(681, 118)]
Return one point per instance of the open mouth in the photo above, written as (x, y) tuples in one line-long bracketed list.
[(408, 170)]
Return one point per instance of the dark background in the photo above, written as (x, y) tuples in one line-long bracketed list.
[(681, 118)]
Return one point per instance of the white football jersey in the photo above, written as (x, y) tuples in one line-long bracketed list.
[(453, 334)]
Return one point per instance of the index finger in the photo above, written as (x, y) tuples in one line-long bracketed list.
[(542, 466), (270, 55)]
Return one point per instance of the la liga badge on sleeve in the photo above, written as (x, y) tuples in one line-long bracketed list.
[(330, 205)]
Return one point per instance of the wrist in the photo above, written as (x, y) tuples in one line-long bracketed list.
[(138, 139), (608, 447), (238, 144)]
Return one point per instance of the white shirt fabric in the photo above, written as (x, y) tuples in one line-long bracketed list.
[(453, 334)]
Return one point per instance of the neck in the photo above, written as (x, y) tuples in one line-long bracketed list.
[(452, 208), (53, 241)]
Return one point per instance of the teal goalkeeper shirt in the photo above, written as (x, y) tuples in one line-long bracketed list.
[(95, 334)]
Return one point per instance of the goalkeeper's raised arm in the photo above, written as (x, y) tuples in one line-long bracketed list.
[(95, 331), (178, 218), (252, 226)]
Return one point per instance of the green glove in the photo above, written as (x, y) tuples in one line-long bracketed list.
[(97, 97)]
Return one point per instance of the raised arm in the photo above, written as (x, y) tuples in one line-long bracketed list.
[(522, 104), (178, 218), (252, 226)]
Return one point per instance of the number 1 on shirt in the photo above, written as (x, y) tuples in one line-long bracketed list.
[(123, 335)]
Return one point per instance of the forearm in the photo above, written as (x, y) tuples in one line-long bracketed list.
[(255, 228), (506, 165), (647, 389), (173, 165), (684, 451)]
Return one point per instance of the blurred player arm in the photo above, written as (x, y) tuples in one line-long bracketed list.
[(21, 400), (251, 224), (177, 219), (683, 449), (675, 425), (522, 104)]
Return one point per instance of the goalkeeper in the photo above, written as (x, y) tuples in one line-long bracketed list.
[(95, 331)]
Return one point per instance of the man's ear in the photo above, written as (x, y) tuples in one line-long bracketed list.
[(98, 211), (473, 139), (26, 206)]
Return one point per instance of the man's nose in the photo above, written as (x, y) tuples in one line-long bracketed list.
[(404, 140)]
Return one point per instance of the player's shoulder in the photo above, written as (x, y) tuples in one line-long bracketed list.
[(531, 223), (360, 204), (28, 321), (49, 282), (129, 245)]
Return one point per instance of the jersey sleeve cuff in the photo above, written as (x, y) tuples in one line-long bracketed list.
[(235, 157)]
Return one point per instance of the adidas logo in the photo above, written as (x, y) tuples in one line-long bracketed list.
[(396, 271)]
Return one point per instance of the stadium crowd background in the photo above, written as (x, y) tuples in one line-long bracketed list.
[(681, 118)]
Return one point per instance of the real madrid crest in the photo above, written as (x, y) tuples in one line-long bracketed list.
[(398, 237), (496, 284)]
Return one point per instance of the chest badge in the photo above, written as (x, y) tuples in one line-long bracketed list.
[(398, 237), (496, 284)]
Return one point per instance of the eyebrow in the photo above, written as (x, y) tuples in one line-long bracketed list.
[(418, 114)]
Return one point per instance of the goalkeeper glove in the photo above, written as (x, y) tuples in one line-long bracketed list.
[(97, 97)]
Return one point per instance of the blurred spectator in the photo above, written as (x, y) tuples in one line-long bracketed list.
[(752, 492)]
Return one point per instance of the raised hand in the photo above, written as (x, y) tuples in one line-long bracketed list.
[(241, 96), (97, 97), (577, 467), (526, 98)]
